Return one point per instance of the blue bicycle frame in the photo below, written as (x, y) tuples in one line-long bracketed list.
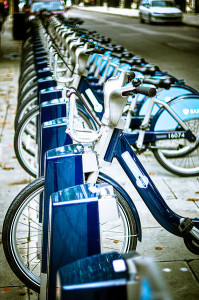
[(122, 151)]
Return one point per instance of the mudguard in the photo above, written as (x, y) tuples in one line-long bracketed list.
[(120, 189), (166, 96), (186, 107)]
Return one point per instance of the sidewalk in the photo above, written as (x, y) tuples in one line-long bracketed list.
[(188, 19), (13, 177), (180, 267)]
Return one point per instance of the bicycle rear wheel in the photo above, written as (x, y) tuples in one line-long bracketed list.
[(22, 232), (121, 235), (183, 161)]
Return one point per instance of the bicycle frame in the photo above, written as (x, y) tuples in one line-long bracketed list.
[(122, 151)]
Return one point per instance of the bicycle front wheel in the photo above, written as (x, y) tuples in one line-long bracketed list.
[(22, 234), (183, 161), (121, 235)]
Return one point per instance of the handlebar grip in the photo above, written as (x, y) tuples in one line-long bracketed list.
[(148, 91), (130, 75), (96, 50)]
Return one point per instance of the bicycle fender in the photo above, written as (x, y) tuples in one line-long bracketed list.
[(186, 107), (128, 199)]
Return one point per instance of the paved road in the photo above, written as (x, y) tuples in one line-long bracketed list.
[(172, 47)]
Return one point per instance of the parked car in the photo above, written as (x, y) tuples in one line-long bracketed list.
[(159, 11), (55, 6)]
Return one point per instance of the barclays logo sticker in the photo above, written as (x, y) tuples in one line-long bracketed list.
[(191, 111), (141, 180), (185, 111)]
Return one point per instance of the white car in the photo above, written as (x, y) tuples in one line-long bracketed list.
[(159, 11)]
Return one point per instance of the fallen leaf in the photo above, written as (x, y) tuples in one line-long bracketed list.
[(158, 248), (5, 123), (21, 293), (6, 289), (116, 242), (197, 192), (8, 168), (25, 181), (151, 173), (147, 154), (193, 199)]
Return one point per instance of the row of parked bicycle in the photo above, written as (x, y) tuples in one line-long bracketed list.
[(83, 101)]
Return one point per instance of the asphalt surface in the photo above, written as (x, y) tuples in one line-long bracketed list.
[(174, 48), (180, 267), (188, 19)]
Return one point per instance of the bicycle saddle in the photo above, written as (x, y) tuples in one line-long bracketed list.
[(148, 69), (159, 83), (135, 60)]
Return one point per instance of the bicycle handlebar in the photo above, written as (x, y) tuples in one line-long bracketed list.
[(96, 50), (146, 70), (160, 83), (148, 91)]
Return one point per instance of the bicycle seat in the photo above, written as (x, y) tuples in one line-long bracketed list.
[(159, 83), (119, 49), (148, 69), (135, 60)]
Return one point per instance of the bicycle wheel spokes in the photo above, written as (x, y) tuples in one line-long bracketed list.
[(115, 235), (185, 159), (22, 234), (26, 235), (120, 235)]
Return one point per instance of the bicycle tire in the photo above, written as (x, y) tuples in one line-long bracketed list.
[(26, 106), (28, 42), (28, 58), (26, 131), (27, 91), (180, 162), (27, 71), (30, 93), (130, 232), (28, 63), (12, 245), (24, 78), (26, 82)]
